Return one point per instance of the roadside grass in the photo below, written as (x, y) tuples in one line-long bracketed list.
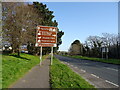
[(14, 67), (63, 77), (0, 71), (111, 61)]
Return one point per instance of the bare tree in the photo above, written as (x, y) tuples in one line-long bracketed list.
[(19, 24), (108, 41), (94, 43)]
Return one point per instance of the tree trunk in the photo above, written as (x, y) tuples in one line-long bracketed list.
[(18, 51), (13, 51)]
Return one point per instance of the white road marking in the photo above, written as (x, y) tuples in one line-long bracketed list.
[(112, 69), (62, 62), (85, 63), (83, 70), (72, 65), (75, 67), (24, 80), (94, 75), (109, 68), (112, 83)]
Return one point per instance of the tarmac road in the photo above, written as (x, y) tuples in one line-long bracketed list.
[(108, 72)]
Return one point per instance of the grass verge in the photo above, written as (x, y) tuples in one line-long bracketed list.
[(63, 77), (14, 67), (111, 61), (0, 71)]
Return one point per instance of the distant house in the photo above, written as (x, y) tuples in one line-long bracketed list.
[(75, 48)]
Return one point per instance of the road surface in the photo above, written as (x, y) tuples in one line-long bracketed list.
[(108, 72)]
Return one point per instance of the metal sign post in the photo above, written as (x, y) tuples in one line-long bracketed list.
[(105, 51), (40, 55), (102, 55), (51, 55)]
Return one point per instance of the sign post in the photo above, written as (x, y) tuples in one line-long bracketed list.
[(51, 55), (105, 50), (46, 36), (40, 55)]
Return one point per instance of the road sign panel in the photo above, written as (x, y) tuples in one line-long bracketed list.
[(46, 35), (46, 45)]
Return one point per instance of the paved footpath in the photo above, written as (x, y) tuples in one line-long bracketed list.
[(37, 77)]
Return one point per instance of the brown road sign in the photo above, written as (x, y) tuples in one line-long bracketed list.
[(46, 45), (46, 35)]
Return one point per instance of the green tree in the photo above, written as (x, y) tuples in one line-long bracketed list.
[(95, 44), (46, 20), (20, 21)]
